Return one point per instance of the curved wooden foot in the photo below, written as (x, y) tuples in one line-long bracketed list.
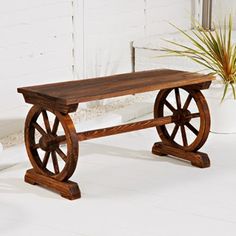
[(197, 159), (156, 150), (68, 189), (201, 160)]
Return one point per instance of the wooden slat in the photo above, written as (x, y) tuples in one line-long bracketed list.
[(125, 128), (97, 133), (74, 92), (91, 134)]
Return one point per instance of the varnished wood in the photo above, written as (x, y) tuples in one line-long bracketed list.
[(74, 92), (197, 159), (86, 135), (67, 189), (201, 86), (53, 166), (48, 144), (97, 133), (125, 128), (45, 102), (185, 116)]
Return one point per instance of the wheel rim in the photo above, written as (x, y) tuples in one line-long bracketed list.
[(177, 135), (47, 156)]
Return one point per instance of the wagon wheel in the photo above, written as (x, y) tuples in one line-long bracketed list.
[(48, 156), (193, 108)]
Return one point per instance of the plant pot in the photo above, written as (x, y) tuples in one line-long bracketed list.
[(223, 114)]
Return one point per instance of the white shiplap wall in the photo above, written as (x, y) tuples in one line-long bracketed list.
[(111, 25), (222, 9), (35, 47)]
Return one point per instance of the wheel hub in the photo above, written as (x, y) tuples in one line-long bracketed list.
[(183, 116), (48, 143)]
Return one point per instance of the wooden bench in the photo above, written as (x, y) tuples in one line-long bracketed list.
[(53, 166)]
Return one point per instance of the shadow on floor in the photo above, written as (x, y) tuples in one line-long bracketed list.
[(10, 185), (90, 148), (17, 185)]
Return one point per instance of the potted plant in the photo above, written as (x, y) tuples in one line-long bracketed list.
[(216, 52)]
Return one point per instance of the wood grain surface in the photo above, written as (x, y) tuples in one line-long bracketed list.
[(74, 92)]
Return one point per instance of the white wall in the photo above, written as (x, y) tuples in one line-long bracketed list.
[(111, 25), (35, 47), (222, 9)]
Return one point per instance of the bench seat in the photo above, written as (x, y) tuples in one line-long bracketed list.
[(74, 92)]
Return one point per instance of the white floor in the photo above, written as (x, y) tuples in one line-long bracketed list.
[(126, 191)]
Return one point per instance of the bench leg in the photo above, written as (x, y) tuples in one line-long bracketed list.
[(53, 162), (183, 139), (67, 189), (197, 159)]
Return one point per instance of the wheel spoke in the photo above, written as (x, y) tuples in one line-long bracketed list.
[(178, 100), (39, 128), (61, 154), (192, 128), (169, 106), (187, 102), (46, 121), (175, 130), (186, 131), (35, 146), (184, 137), (55, 162), (45, 159), (55, 126), (193, 115)]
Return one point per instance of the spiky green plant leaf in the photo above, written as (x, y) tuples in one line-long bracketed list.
[(213, 50)]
